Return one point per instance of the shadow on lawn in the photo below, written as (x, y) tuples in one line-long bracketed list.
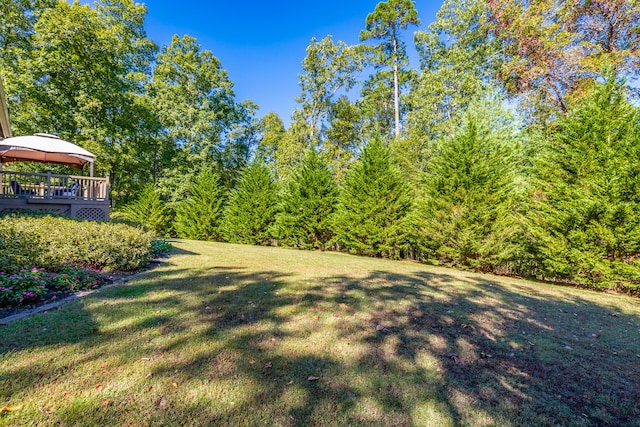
[(419, 345)]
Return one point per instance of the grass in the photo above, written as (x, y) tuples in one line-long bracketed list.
[(230, 335)]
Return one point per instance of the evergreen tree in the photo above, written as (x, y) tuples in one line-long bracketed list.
[(465, 215), (149, 210), (586, 207), (306, 206), (198, 216), (252, 207), (373, 204)]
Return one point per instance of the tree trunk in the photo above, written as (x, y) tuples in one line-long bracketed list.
[(396, 95)]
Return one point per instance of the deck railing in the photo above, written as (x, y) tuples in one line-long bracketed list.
[(48, 186)]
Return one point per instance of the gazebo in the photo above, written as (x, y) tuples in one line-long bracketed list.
[(78, 196)]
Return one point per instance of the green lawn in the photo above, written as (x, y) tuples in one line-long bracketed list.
[(230, 335)]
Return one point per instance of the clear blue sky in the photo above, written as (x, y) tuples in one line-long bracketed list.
[(262, 43)]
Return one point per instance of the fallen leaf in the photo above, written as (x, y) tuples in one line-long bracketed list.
[(251, 362), (175, 385), (381, 328), (12, 408), (149, 375), (104, 366), (312, 378), (456, 359), (162, 403), (150, 387), (343, 305), (106, 403), (99, 387), (594, 336), (146, 359)]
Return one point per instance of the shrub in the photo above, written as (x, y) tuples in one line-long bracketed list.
[(51, 242), (160, 247), (23, 287), (76, 276)]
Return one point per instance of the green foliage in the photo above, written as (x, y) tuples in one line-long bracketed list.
[(252, 207), (306, 205), (198, 217), (23, 286), (466, 214), (160, 247), (586, 204), (149, 211), (51, 242), (370, 216)]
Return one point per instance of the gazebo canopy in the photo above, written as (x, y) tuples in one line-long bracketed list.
[(44, 148)]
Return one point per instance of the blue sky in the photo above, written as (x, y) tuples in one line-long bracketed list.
[(261, 44)]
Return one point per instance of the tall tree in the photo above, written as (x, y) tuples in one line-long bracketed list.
[(373, 204), (252, 207), (457, 62), (194, 97), (327, 68), (385, 24), (80, 79), (553, 49), (272, 132), (306, 206)]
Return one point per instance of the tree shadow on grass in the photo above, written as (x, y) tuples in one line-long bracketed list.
[(385, 349)]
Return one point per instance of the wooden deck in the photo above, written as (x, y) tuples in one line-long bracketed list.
[(77, 196)]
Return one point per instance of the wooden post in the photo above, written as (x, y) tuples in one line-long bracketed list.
[(106, 189), (48, 184)]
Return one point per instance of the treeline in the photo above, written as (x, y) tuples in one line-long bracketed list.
[(558, 204), (511, 148)]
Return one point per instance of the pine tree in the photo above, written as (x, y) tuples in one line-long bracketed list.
[(306, 206), (586, 207), (150, 211), (465, 215), (373, 204), (252, 207), (198, 216)]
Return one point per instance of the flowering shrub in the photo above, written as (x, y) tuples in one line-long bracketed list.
[(23, 287), (32, 285), (75, 276)]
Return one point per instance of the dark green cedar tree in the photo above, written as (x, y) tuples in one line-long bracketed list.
[(373, 204), (199, 216), (252, 207), (466, 215), (586, 204), (306, 205)]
